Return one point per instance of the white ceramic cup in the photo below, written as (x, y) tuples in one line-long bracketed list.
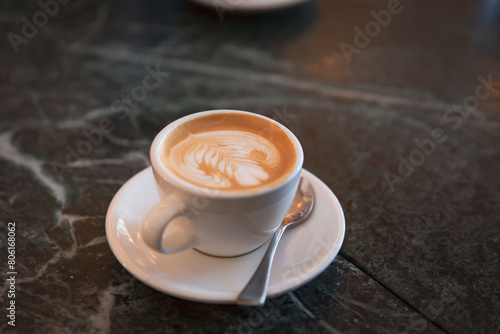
[(215, 222)]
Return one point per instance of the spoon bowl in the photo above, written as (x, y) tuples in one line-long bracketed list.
[(255, 292)]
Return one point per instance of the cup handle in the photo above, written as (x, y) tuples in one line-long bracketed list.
[(177, 239)]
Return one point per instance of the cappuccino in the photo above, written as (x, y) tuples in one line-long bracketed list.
[(229, 152)]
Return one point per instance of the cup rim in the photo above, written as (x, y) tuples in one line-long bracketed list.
[(177, 182)]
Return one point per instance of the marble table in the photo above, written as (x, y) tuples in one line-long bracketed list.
[(397, 106)]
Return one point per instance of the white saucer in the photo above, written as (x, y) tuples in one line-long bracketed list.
[(303, 253), (249, 5)]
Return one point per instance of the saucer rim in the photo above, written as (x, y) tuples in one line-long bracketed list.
[(123, 257)]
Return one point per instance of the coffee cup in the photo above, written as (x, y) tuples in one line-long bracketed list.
[(225, 178)]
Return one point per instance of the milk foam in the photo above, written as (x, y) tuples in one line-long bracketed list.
[(224, 159)]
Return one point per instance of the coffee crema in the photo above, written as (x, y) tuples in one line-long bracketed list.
[(230, 152)]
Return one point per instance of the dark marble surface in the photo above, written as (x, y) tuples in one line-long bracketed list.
[(421, 252)]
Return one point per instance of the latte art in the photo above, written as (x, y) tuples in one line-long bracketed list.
[(227, 159), (229, 152)]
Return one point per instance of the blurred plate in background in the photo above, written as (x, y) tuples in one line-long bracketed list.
[(248, 5)]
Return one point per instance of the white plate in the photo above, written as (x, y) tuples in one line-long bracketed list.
[(248, 5), (303, 253)]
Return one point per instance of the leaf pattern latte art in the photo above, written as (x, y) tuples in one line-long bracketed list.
[(224, 159)]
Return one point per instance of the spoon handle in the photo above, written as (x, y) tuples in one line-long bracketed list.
[(254, 293)]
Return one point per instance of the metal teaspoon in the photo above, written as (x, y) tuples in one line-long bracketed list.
[(255, 292)]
